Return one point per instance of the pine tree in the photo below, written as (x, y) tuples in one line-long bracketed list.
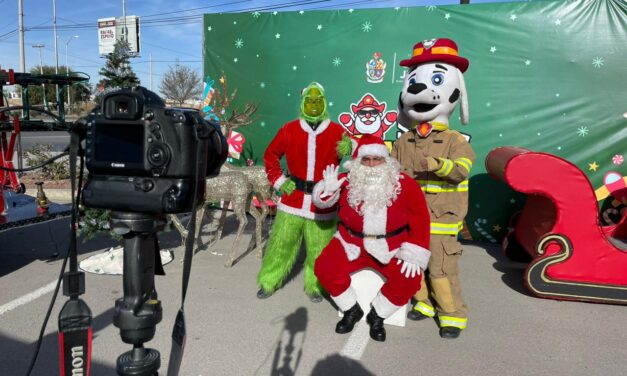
[(117, 72)]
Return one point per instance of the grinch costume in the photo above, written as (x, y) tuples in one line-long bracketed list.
[(308, 145), (440, 160)]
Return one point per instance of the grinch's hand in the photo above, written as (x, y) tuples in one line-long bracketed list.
[(287, 187), (331, 182), (344, 147)]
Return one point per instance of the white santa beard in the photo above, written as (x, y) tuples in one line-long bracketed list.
[(368, 129), (376, 187)]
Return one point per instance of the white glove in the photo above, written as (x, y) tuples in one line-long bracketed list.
[(410, 270), (331, 183)]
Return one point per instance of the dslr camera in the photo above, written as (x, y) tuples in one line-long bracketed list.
[(145, 158)]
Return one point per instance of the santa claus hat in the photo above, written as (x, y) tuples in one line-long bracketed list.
[(369, 145)]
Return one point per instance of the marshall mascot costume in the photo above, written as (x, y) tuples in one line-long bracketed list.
[(309, 145), (440, 160), (384, 225)]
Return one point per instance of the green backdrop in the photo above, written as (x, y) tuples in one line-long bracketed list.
[(548, 76)]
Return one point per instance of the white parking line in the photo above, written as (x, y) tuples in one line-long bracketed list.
[(27, 298), (357, 342)]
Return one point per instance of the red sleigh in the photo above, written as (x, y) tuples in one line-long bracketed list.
[(573, 256)]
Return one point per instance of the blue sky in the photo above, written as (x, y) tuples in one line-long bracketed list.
[(167, 42)]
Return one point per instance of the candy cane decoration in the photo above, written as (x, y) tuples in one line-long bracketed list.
[(483, 221)]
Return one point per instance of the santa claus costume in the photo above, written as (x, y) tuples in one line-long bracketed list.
[(384, 225)]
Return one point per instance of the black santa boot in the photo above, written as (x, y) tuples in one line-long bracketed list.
[(351, 317), (377, 330)]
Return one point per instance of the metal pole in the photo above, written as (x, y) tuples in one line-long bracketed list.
[(20, 14), (56, 38), (124, 21), (67, 73), (150, 57), (41, 71)]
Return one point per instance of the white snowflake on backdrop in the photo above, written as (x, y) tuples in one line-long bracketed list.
[(431, 8), (239, 43), (558, 22), (598, 62), (447, 16), (488, 104), (337, 61), (330, 104), (275, 13), (366, 27), (351, 10), (294, 67), (263, 124), (277, 35), (235, 60), (262, 85), (513, 17), (527, 62), (493, 49), (301, 12), (256, 14), (582, 131), (209, 28), (319, 27), (397, 8)]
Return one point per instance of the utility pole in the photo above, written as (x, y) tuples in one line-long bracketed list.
[(67, 73), (56, 38), (41, 71), (150, 57), (124, 21), (20, 15)]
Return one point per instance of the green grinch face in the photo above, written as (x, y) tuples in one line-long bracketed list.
[(313, 103)]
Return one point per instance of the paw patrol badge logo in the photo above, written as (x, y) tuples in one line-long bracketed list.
[(375, 69)]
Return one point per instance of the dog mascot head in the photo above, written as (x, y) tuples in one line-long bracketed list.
[(434, 83)]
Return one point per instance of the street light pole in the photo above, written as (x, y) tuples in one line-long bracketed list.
[(67, 72), (41, 71)]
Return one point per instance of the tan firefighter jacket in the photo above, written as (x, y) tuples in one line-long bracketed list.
[(445, 188)]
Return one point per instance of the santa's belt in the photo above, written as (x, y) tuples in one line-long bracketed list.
[(390, 234), (306, 186)]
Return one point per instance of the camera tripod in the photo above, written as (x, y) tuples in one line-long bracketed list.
[(139, 311)]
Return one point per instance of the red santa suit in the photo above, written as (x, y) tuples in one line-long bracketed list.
[(373, 240), (307, 153)]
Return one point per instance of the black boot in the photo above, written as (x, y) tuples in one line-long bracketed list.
[(351, 317), (263, 294), (450, 332), (377, 331), (416, 315)]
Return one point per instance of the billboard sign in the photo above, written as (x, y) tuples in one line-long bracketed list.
[(112, 29)]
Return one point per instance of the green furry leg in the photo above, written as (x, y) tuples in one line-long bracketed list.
[(281, 252), (318, 234)]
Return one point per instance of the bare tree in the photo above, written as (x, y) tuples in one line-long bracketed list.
[(181, 83)]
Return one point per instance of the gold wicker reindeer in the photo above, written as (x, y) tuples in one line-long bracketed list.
[(231, 188)]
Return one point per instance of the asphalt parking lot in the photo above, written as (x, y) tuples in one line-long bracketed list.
[(231, 332)]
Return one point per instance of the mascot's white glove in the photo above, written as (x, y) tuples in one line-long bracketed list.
[(352, 252), (331, 182), (410, 270)]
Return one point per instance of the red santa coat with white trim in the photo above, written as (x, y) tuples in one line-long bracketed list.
[(409, 209), (307, 153)]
